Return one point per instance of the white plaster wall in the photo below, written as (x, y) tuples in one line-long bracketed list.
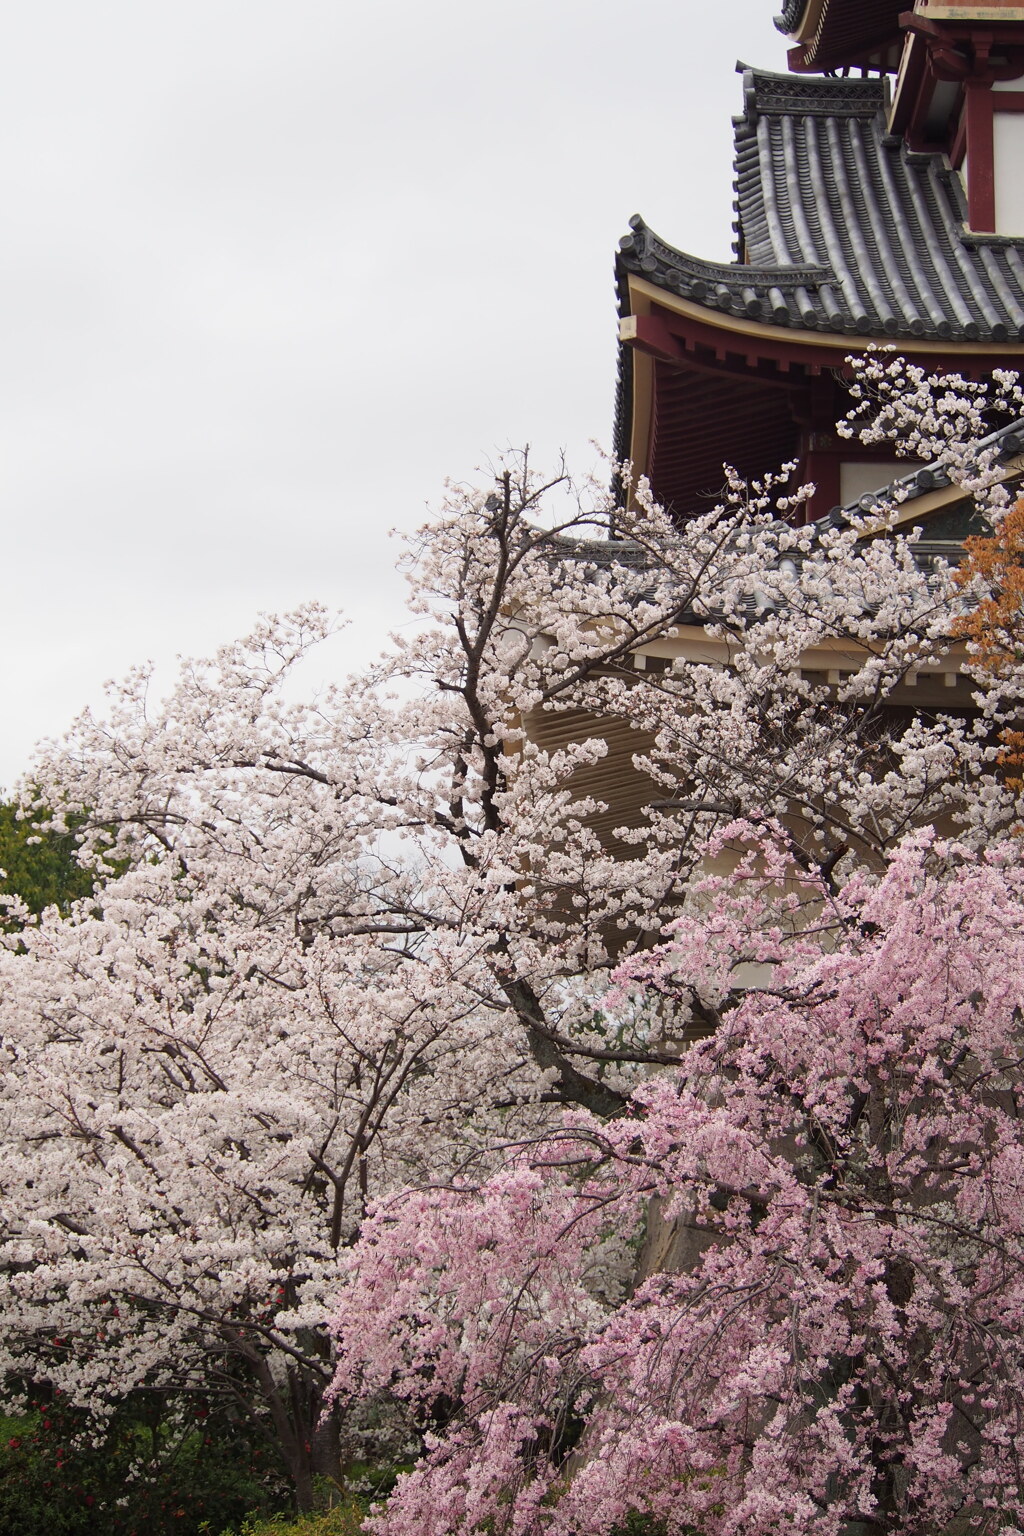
[(1008, 150), (856, 479)]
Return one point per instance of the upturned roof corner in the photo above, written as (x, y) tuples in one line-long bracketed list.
[(877, 202)]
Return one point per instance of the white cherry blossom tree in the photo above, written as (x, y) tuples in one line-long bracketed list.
[(364, 940)]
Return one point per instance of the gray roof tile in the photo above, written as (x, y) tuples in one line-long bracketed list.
[(789, 19), (842, 228), (1007, 441)]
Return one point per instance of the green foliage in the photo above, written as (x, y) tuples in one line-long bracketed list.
[(640, 1525), (40, 867), (159, 1469), (345, 1519), (339, 1513)]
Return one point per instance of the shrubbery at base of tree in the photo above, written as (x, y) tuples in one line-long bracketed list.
[(344, 1519), (157, 1469)]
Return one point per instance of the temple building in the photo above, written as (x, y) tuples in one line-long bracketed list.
[(879, 198)]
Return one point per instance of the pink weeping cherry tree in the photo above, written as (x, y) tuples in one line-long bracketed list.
[(844, 1348)]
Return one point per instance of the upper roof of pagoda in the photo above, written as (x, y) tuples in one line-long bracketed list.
[(841, 229), (833, 34)]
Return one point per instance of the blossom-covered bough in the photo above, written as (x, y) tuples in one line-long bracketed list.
[(366, 944), (846, 1352)]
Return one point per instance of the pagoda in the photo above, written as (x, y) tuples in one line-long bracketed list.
[(879, 198)]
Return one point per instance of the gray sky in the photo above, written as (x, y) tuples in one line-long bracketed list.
[(272, 269)]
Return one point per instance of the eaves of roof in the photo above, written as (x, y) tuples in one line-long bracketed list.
[(834, 33), (1008, 443), (842, 229), (789, 19)]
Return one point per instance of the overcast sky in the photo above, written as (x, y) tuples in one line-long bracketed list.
[(271, 269)]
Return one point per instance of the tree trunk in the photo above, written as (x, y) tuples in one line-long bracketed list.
[(671, 1245), (294, 1424), (326, 1445)]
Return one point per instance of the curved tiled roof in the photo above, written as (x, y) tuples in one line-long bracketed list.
[(842, 228), (1007, 443), (792, 11), (844, 33)]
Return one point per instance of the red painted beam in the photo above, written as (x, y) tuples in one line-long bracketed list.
[(981, 181), (651, 334), (678, 339)]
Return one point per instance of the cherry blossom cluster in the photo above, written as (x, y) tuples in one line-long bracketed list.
[(838, 1337), (344, 948)]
